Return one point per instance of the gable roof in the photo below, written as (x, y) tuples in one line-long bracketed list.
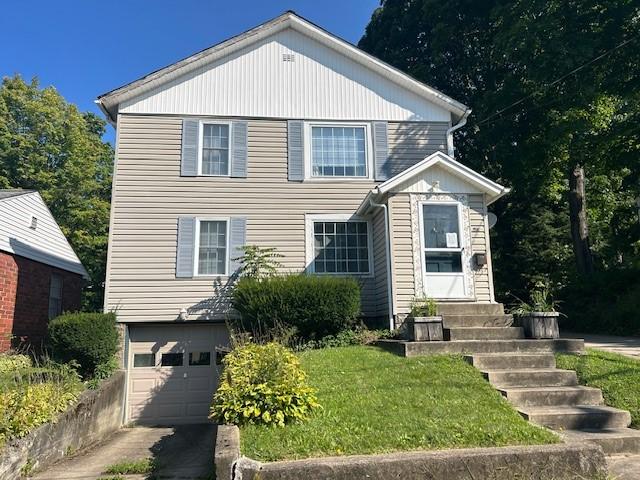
[(13, 192), (492, 189), (43, 242), (109, 101)]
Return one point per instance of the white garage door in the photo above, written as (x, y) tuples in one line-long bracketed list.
[(172, 372)]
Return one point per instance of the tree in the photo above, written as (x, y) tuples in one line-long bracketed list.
[(46, 144), (554, 89)]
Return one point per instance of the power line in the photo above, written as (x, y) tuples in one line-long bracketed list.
[(575, 70)]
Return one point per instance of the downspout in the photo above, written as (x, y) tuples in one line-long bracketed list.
[(460, 124), (387, 249)]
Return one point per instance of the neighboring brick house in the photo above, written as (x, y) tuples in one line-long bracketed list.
[(40, 274)]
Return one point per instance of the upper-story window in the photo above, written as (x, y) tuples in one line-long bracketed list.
[(214, 149), (338, 151)]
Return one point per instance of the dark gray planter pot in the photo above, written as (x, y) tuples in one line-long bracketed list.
[(425, 329), (539, 324)]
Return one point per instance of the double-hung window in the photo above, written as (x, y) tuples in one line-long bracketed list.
[(214, 149), (339, 247), (212, 240), (55, 295), (338, 151)]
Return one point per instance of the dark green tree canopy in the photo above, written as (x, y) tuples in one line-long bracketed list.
[(46, 144)]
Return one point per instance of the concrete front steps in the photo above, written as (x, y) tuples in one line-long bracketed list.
[(552, 397)]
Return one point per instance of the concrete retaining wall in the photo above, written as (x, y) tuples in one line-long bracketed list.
[(547, 462), (96, 414)]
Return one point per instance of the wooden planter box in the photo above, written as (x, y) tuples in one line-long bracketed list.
[(425, 329), (539, 324)]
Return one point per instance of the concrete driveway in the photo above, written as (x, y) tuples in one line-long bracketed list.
[(182, 452), (629, 346)]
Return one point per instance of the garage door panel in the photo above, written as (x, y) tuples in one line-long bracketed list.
[(168, 395)]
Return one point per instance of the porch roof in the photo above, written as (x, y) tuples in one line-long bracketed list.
[(492, 189)]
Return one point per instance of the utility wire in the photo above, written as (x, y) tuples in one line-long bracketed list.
[(575, 70)]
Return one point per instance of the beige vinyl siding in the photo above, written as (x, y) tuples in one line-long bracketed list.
[(410, 142), (149, 196), (402, 253), (480, 244), (380, 264)]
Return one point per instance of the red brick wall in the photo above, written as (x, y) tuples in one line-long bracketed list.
[(24, 298)]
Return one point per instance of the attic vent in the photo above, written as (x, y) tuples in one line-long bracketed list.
[(288, 57), (34, 223)]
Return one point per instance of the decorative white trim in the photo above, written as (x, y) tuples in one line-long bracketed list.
[(460, 199), (310, 218), (308, 155), (201, 125), (196, 246)]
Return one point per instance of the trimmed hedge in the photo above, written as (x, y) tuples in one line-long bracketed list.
[(262, 384), (315, 306), (90, 339)]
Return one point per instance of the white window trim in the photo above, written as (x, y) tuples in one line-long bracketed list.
[(201, 125), (308, 152), (424, 249), (335, 217), (196, 248)]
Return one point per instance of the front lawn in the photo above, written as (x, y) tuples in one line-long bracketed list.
[(616, 375), (376, 402)]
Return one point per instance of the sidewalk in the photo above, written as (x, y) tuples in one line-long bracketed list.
[(629, 346)]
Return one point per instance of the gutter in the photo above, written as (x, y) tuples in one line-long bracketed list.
[(460, 124), (387, 248), (104, 110)]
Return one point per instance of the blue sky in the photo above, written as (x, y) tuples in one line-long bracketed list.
[(88, 47)]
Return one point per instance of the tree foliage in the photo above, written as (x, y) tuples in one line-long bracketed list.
[(46, 144), (553, 84)]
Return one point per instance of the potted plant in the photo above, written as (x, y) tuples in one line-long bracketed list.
[(539, 317), (424, 324)]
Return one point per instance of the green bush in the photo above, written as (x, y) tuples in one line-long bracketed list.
[(12, 362), (262, 384), (35, 396), (315, 306), (606, 302), (90, 339), (346, 338)]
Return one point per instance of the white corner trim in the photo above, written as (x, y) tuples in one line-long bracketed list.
[(309, 220)]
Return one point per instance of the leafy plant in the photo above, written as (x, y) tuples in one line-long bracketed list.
[(258, 262), (262, 384), (13, 361), (34, 396), (541, 301), (90, 339), (315, 306), (345, 338), (102, 372), (424, 307)]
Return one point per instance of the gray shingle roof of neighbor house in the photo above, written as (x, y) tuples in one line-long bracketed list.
[(13, 192), (109, 101), (28, 229)]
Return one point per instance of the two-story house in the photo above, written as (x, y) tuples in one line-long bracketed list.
[(284, 136)]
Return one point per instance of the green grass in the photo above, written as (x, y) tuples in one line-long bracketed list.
[(130, 467), (376, 402), (616, 375)]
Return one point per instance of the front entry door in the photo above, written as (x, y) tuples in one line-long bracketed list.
[(443, 240)]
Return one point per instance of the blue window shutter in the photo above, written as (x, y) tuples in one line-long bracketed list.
[(295, 143), (189, 161), (186, 244), (237, 239), (239, 149), (381, 151)]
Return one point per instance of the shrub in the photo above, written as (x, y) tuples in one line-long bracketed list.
[(258, 262), (316, 306), (36, 397), (346, 338), (90, 339), (12, 362), (262, 384), (424, 307)]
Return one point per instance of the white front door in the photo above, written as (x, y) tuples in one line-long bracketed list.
[(442, 240)]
